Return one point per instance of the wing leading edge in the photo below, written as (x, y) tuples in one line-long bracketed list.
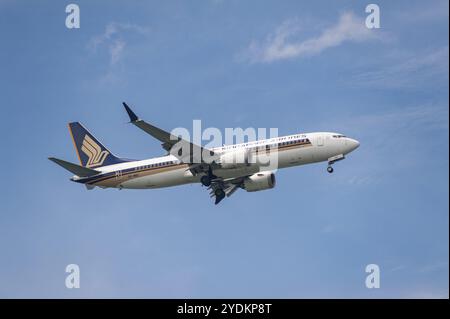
[(185, 151)]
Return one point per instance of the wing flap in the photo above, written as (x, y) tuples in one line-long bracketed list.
[(228, 187)]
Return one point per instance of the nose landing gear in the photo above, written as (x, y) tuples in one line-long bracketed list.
[(333, 160)]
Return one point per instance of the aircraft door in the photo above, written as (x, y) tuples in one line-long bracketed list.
[(320, 140)]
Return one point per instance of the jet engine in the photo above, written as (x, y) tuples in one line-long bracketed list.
[(259, 181)]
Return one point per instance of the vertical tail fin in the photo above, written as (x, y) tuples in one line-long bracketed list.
[(90, 151)]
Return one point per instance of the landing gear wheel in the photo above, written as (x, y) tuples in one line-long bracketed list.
[(205, 180), (330, 169)]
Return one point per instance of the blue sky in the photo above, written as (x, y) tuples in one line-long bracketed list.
[(297, 66)]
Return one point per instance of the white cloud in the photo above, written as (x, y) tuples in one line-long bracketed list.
[(113, 39), (437, 266), (408, 72), (424, 117), (279, 45), (116, 49)]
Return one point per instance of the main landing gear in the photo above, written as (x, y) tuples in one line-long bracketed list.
[(206, 179), (330, 169)]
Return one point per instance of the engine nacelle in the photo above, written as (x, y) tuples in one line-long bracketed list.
[(236, 159), (259, 181)]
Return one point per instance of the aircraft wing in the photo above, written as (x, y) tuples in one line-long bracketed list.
[(184, 150)]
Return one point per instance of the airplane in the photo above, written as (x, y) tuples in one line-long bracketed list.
[(219, 170)]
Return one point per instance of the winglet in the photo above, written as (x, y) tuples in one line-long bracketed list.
[(133, 117)]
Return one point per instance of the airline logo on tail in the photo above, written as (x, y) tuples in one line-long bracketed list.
[(93, 151)]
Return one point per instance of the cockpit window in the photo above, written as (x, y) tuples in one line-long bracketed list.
[(338, 136)]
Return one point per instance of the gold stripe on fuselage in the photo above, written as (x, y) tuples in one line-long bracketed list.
[(282, 148), (114, 181)]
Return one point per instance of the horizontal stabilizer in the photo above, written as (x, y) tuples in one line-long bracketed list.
[(74, 168)]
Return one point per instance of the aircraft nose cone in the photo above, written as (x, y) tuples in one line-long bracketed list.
[(353, 144)]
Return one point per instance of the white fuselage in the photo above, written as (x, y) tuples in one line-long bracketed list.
[(291, 150)]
